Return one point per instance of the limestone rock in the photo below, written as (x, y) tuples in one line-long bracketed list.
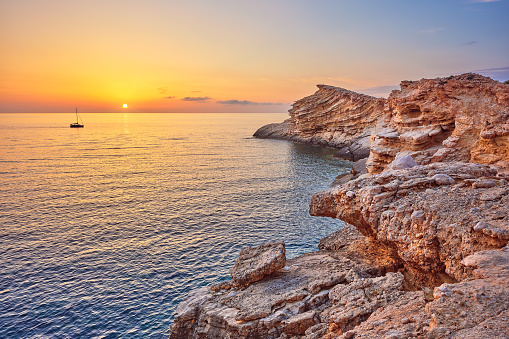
[(274, 131), (403, 163), (457, 118), (288, 303), (476, 308), (429, 226), (333, 117), (424, 253), (256, 262)]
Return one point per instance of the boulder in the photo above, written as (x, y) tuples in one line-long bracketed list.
[(403, 163), (254, 263)]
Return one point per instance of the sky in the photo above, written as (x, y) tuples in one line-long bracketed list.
[(234, 55)]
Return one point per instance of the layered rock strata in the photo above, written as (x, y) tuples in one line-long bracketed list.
[(333, 117), (352, 288), (457, 118)]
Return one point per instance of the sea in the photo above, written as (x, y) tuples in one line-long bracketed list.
[(105, 229)]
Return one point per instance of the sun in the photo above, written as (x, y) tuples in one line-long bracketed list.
[(124, 106)]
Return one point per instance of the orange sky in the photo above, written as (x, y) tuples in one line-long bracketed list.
[(234, 56)]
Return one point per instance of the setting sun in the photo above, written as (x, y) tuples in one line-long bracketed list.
[(124, 106)]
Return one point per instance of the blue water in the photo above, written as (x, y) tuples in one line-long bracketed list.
[(103, 230)]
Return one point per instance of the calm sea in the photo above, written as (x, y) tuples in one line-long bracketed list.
[(103, 230)]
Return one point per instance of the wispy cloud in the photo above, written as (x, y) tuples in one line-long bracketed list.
[(196, 99), (378, 91), (169, 97), (480, 1), (246, 102), (498, 73), (432, 30), (162, 90), (473, 42)]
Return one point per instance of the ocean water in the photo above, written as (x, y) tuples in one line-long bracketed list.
[(103, 230)]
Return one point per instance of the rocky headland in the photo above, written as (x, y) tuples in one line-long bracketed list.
[(424, 252)]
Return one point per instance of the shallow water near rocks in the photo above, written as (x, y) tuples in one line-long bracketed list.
[(103, 230)]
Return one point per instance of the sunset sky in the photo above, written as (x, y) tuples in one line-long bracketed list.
[(234, 55)]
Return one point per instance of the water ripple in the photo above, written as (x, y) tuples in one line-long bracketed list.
[(104, 230)]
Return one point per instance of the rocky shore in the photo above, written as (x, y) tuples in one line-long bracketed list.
[(424, 253)]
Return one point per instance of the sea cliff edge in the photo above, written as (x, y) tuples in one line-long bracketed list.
[(424, 253)]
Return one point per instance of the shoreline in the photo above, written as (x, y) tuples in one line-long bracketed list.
[(427, 255)]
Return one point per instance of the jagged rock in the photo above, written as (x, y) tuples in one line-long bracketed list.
[(476, 308), (425, 257), (353, 303), (287, 303), (333, 117), (256, 262), (458, 118), (428, 225), (422, 230)]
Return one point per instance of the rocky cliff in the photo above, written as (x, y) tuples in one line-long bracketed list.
[(457, 118), (425, 252), (333, 117), (430, 261)]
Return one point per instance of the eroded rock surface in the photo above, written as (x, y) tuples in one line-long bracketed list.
[(430, 216), (256, 262), (424, 252), (353, 290), (333, 117), (477, 308), (288, 303), (458, 118)]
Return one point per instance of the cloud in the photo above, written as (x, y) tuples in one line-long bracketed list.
[(432, 30), (196, 99), (162, 90), (499, 73), (378, 91), (480, 1), (169, 97), (473, 42), (246, 102)]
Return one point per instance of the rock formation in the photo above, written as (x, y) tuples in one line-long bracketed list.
[(420, 269), (424, 253), (255, 263), (288, 302), (333, 117), (431, 217), (458, 118)]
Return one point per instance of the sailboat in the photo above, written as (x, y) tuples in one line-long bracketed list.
[(77, 124)]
